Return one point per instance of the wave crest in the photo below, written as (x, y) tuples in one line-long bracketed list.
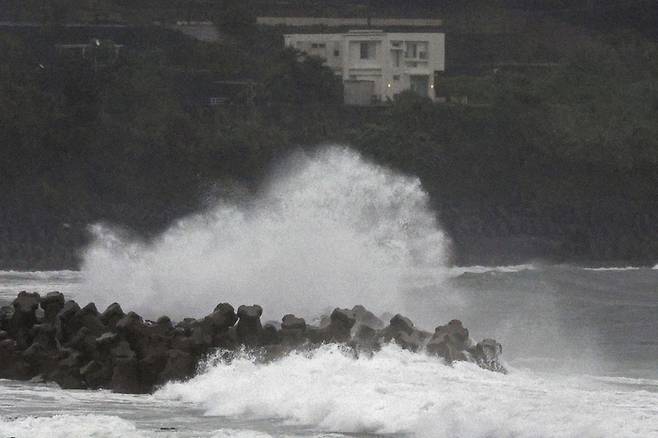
[(331, 229), (399, 392)]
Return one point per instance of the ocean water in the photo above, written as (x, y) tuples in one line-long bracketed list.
[(330, 229), (582, 346)]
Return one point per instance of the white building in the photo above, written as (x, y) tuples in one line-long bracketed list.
[(377, 65)]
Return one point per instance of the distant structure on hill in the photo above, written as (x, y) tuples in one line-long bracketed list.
[(200, 30), (376, 65), (349, 21)]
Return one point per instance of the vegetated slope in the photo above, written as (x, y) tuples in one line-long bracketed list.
[(557, 162)]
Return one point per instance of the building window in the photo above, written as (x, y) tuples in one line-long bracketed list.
[(322, 45), (396, 77), (314, 46), (422, 55), (412, 50), (365, 50), (336, 52), (396, 58)]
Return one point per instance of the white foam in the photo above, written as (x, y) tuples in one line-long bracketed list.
[(477, 269), (41, 275), (399, 392), (12, 282), (614, 268), (240, 433), (332, 230), (69, 426)]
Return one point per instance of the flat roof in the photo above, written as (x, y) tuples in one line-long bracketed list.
[(348, 21)]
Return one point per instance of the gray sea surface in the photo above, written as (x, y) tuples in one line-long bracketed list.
[(582, 346)]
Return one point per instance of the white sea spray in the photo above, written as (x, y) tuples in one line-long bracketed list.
[(330, 229)]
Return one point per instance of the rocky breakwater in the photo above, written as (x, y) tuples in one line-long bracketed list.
[(49, 339)]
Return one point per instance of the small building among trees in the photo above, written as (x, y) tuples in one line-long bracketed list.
[(375, 65)]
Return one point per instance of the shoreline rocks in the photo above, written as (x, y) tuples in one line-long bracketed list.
[(48, 339)]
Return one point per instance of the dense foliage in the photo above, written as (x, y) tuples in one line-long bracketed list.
[(559, 162)]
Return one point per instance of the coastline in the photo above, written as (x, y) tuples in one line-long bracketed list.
[(50, 339)]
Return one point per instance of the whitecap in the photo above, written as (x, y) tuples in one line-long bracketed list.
[(398, 392), (69, 426)]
